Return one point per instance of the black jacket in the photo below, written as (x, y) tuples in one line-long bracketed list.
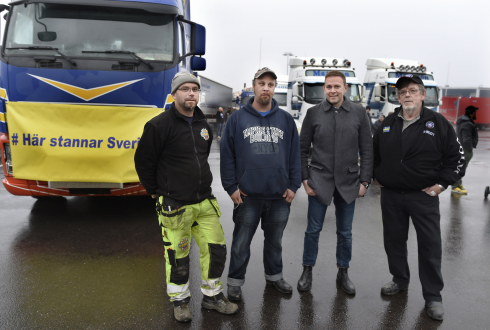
[(219, 119), (467, 133), (172, 157), (426, 153)]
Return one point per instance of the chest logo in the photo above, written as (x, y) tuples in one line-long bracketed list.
[(386, 129), (429, 124), (205, 134)]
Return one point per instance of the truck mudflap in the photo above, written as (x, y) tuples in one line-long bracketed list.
[(21, 187)]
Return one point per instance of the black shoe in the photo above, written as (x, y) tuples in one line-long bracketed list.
[(435, 310), (219, 303), (304, 283), (234, 292), (392, 288), (345, 282), (281, 286), (182, 313)]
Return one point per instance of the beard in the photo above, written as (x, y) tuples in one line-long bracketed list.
[(409, 109), (187, 107), (261, 101)]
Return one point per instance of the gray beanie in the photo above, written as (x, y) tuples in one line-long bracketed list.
[(182, 78)]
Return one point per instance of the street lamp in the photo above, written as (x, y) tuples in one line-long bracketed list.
[(287, 67)]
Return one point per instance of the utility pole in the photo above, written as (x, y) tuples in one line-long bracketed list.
[(287, 64), (260, 54)]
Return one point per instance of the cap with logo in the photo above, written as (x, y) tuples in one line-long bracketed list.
[(263, 71), (183, 77), (470, 109), (410, 78)]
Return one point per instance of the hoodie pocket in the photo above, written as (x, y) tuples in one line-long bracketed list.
[(264, 182)]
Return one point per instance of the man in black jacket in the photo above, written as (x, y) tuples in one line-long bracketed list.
[(416, 156), (468, 137), (172, 164)]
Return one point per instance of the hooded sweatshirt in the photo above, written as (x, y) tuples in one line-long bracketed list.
[(260, 155)]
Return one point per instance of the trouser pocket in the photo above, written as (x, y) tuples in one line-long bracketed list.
[(171, 215), (179, 273), (214, 202), (217, 253)]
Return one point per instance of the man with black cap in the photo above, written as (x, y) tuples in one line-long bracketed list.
[(416, 156), (172, 163), (261, 171), (468, 137)]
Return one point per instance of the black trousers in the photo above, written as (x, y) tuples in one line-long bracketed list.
[(397, 207)]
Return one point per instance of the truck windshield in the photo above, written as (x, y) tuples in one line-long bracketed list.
[(74, 28), (281, 98), (315, 94), (431, 98)]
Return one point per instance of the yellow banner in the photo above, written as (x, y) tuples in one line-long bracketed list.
[(78, 143)]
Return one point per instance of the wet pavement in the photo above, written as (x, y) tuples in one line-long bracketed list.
[(97, 263)]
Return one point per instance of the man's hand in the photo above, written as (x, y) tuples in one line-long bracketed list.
[(236, 197), (289, 195), (154, 196), (362, 191), (433, 191), (378, 183), (308, 190)]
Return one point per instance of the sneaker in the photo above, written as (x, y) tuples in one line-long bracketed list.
[(459, 190), (219, 303)]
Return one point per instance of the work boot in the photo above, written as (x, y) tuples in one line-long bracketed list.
[(459, 190), (219, 303), (434, 310), (234, 292), (281, 286), (304, 283), (392, 288), (344, 281), (182, 313)]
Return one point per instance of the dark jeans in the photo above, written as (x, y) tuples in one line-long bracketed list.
[(316, 215), (220, 129), (397, 207), (273, 216)]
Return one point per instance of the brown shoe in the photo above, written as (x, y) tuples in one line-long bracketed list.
[(219, 303), (182, 313)]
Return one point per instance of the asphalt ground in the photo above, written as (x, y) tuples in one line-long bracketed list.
[(98, 263)]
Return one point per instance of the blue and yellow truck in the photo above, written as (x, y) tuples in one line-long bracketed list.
[(78, 80)]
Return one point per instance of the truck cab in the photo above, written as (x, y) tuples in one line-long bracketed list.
[(306, 80), (380, 80), (281, 92)]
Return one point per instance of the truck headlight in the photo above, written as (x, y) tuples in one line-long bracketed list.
[(8, 158)]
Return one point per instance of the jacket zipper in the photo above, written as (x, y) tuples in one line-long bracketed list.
[(197, 158)]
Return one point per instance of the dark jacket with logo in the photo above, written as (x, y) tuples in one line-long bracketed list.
[(172, 157), (260, 155), (426, 153), (339, 137), (467, 133)]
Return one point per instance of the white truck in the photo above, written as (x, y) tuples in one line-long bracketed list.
[(281, 93), (306, 80), (213, 95), (380, 80)]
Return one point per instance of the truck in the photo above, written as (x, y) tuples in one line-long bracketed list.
[(281, 91), (453, 107), (380, 79), (306, 80), (246, 94), (78, 81), (213, 95)]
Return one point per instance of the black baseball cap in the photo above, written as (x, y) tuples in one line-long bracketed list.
[(410, 78), (470, 109)]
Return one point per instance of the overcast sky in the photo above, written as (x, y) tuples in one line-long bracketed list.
[(437, 33)]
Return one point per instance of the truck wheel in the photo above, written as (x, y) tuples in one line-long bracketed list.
[(487, 191)]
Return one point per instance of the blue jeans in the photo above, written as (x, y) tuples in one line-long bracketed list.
[(220, 129), (273, 216), (316, 215)]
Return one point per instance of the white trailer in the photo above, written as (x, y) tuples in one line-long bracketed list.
[(213, 95), (306, 80), (380, 80)]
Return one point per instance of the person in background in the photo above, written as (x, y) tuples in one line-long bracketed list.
[(468, 137), (220, 120), (377, 123)]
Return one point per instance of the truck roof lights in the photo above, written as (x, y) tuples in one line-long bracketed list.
[(401, 67), (423, 69), (304, 62), (346, 63), (334, 62), (312, 61), (393, 65), (324, 62), (412, 68)]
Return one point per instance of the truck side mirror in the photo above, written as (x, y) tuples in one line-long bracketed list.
[(297, 92), (198, 37), (198, 63), (378, 97)]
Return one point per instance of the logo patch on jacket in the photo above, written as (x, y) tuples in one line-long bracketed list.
[(205, 134), (386, 129), (429, 132), (429, 124), (263, 134), (184, 244)]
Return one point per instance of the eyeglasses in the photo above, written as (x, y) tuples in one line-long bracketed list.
[(412, 91), (188, 89)]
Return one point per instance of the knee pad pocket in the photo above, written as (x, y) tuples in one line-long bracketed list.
[(217, 260), (179, 273)]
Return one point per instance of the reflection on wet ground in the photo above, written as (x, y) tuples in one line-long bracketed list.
[(97, 263)]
